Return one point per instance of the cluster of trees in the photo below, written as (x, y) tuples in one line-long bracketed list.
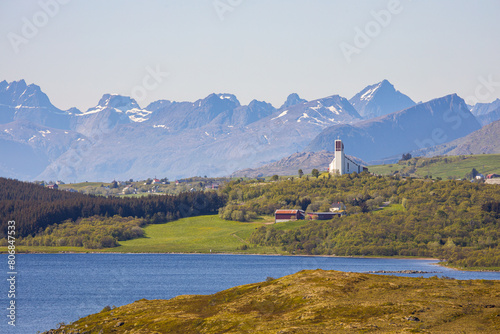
[(94, 232), (237, 213), (492, 207), (310, 194), (453, 220), (406, 156), (472, 175), (34, 207)]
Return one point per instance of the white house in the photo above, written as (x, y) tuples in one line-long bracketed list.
[(342, 164)]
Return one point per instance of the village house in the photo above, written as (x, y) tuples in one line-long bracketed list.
[(336, 207)]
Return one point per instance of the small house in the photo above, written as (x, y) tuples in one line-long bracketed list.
[(287, 215), (336, 207), (53, 186)]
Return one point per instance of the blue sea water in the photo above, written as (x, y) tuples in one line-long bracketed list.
[(54, 288)]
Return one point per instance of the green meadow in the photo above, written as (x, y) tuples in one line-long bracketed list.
[(453, 167), (201, 234)]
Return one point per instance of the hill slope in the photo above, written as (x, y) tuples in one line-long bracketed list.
[(482, 141), (314, 301), (445, 167)]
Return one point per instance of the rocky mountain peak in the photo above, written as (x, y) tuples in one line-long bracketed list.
[(291, 100)]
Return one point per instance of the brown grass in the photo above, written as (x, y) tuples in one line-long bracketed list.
[(315, 301)]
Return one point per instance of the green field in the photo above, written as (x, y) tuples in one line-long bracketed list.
[(191, 235), (391, 207), (83, 185), (202, 234), (453, 167)]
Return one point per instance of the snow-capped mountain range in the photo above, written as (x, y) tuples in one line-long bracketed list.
[(216, 135)]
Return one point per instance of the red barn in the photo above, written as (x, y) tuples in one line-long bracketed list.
[(287, 215)]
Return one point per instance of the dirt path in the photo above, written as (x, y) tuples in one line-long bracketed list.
[(240, 239)]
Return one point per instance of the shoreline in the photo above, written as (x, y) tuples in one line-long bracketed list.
[(437, 263), (251, 254)]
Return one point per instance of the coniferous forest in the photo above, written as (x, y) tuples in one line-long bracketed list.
[(34, 207)]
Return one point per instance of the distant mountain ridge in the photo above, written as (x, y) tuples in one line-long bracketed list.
[(480, 109), (426, 124), (216, 135), (487, 112), (20, 101)]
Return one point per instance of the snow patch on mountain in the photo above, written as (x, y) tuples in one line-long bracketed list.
[(120, 104), (280, 115)]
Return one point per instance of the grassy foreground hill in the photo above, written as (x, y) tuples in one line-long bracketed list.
[(314, 301)]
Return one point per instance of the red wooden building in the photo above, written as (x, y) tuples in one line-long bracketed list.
[(287, 215)]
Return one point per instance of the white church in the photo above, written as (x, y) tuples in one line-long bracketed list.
[(341, 164)]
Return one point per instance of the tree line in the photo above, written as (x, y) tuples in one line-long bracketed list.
[(93, 232), (34, 207)]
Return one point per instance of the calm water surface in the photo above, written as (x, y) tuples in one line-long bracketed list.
[(54, 288)]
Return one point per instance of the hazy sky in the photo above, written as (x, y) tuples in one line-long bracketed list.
[(256, 49)]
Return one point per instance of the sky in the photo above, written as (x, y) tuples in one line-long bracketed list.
[(78, 50)]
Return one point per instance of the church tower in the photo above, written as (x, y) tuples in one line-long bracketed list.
[(343, 164), (339, 162)]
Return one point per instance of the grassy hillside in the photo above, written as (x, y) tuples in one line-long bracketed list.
[(193, 235), (200, 234), (453, 167), (314, 302)]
